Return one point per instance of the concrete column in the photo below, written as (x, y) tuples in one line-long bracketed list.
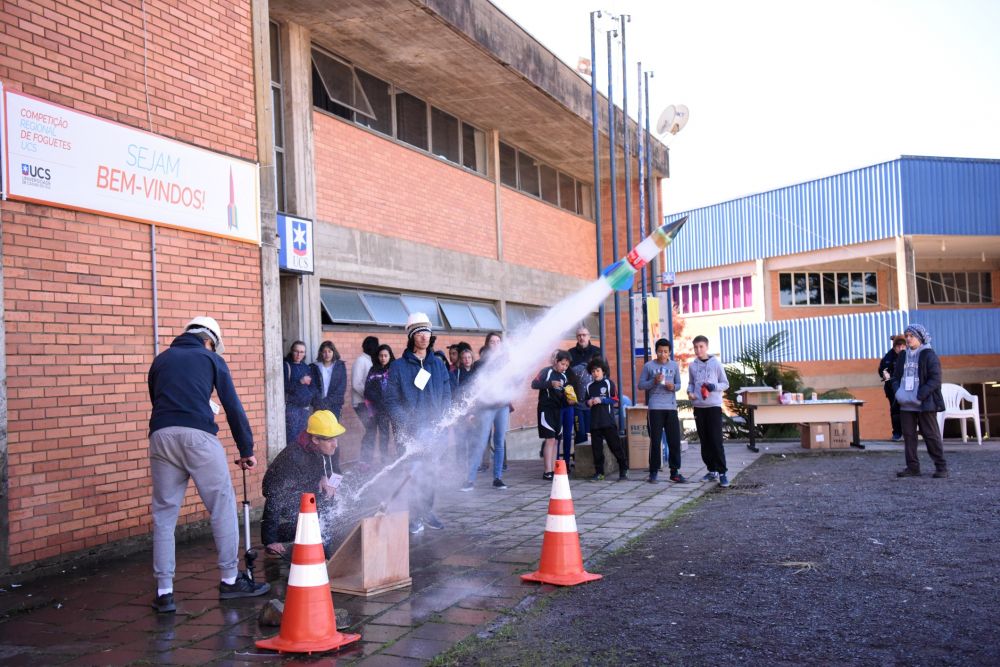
[(906, 277), (300, 181), (493, 160), (274, 391)]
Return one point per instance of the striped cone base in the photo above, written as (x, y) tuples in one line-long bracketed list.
[(308, 624), (562, 560)]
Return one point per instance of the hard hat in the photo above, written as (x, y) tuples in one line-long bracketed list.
[(417, 322), (208, 324), (324, 424)]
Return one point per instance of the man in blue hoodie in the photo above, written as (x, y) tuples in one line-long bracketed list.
[(183, 444), (416, 396)]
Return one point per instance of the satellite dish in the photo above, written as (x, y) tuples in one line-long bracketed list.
[(673, 119)]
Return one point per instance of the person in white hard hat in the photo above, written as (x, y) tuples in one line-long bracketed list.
[(183, 444), (416, 396)]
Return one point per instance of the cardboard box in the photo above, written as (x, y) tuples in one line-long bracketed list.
[(815, 436), (759, 396), (841, 434), (637, 435)]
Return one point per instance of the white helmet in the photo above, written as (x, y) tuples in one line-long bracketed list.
[(209, 325)]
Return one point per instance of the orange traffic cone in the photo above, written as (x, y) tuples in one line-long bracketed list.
[(308, 624), (562, 561)]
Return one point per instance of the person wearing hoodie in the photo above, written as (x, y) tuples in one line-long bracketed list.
[(706, 383), (378, 378), (329, 379), (551, 383), (661, 379), (299, 391), (183, 444), (886, 368), (304, 466), (416, 396), (916, 383)]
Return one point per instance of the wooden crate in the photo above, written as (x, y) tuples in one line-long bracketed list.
[(375, 558)]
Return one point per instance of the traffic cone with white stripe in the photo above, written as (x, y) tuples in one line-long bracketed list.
[(562, 560), (308, 624)]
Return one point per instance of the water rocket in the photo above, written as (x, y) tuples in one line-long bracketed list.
[(621, 274)]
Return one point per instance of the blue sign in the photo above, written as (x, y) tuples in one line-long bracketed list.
[(297, 244)]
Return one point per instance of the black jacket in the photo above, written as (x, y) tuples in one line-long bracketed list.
[(888, 363), (334, 399), (181, 380), (603, 414), (928, 380), (296, 470)]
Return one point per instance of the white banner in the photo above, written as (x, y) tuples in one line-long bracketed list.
[(58, 156)]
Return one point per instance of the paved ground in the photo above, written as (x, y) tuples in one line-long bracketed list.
[(465, 580), (806, 560)]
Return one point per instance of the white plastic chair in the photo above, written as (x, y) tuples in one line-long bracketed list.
[(953, 397)]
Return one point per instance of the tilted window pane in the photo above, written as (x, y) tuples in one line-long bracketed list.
[(444, 135), (344, 305), (423, 304), (387, 308), (937, 287), (949, 288), (411, 120), (508, 165), (459, 315), (473, 149), (322, 101), (550, 184), (380, 98), (341, 83), (527, 173), (486, 315)]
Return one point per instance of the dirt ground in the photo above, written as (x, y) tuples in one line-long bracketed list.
[(806, 560)]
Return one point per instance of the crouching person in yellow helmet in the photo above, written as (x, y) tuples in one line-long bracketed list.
[(304, 466)]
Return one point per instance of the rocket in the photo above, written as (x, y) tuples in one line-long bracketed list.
[(621, 274), (231, 209)]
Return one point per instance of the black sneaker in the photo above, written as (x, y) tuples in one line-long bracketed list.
[(596, 478), (164, 604), (547, 476), (678, 478), (623, 475), (432, 521), (906, 472), (652, 480), (242, 588), (498, 484), (940, 474)]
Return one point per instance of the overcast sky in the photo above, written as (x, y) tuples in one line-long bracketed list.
[(786, 91)]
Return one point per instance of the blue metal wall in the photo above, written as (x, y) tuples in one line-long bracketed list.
[(911, 195), (866, 335)]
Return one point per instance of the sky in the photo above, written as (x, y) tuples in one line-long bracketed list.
[(782, 91)]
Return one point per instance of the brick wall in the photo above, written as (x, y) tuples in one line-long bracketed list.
[(542, 236), (78, 286)]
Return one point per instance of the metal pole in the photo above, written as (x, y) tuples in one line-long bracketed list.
[(597, 163), (627, 154), (612, 177), (653, 221), (641, 141)]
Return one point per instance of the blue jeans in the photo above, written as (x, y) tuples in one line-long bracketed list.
[(496, 419), (567, 416), (582, 423)]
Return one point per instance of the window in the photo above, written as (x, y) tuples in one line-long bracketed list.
[(585, 200), (473, 148), (486, 316), (942, 287), (411, 120), (444, 135), (527, 174), (341, 83), (550, 184), (423, 304), (277, 100), (387, 308), (713, 296), (519, 316), (824, 289), (379, 95), (508, 165), (342, 305), (567, 193)]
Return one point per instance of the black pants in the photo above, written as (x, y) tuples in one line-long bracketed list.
[(927, 421), (893, 411), (660, 421), (709, 424), (597, 438)]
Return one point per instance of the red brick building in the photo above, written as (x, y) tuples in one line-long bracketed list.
[(459, 180)]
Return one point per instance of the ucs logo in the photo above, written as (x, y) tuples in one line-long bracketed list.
[(41, 173)]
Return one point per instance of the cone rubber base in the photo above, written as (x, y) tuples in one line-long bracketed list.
[(561, 579), (320, 646)]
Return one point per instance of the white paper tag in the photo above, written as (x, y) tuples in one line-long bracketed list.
[(909, 383), (334, 480), (820, 437), (421, 380), (214, 406)]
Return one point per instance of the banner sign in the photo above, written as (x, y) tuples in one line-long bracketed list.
[(656, 326), (3, 142), (297, 244), (66, 158)]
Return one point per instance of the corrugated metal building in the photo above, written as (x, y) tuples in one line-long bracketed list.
[(842, 263)]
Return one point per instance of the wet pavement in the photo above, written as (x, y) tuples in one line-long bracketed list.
[(464, 578)]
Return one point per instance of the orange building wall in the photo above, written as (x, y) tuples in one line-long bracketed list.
[(78, 287)]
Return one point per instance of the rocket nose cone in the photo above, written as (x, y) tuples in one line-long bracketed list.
[(670, 229)]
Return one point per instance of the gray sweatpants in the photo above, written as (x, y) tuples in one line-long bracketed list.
[(176, 454)]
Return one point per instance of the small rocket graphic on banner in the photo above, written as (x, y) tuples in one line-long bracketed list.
[(231, 209)]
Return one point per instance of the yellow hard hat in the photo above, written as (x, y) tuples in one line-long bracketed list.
[(324, 424)]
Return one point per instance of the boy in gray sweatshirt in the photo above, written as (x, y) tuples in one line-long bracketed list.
[(661, 379), (706, 382)]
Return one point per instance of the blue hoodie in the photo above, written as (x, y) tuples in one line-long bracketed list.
[(181, 380), (411, 408)]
